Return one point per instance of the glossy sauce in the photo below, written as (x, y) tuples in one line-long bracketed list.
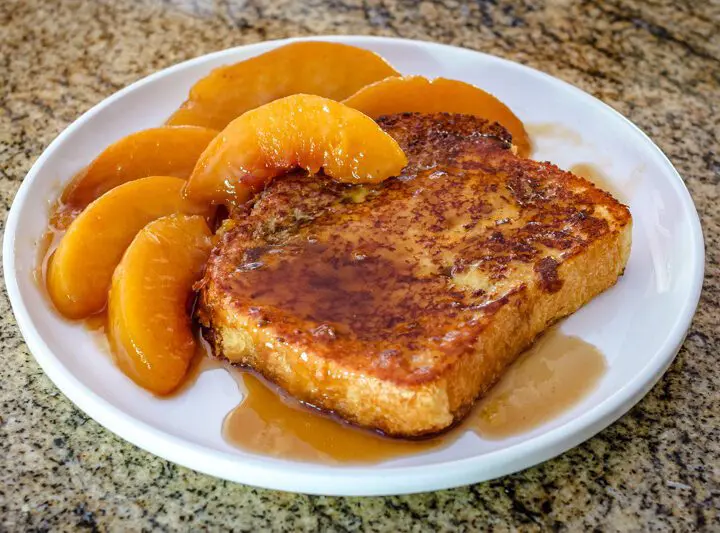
[(66, 209), (551, 377), (558, 132), (547, 380), (594, 174), (271, 424), (268, 422)]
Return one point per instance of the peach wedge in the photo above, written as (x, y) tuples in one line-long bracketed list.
[(164, 151), (303, 131), (332, 70), (418, 94), (149, 322), (80, 270)]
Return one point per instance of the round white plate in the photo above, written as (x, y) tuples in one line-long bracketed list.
[(638, 325)]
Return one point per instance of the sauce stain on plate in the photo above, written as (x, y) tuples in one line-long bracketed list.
[(555, 132), (592, 173), (551, 377), (267, 422), (45, 246), (96, 326)]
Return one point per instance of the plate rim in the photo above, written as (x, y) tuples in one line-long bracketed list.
[(350, 480)]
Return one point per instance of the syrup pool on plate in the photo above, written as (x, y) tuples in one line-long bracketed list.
[(269, 423), (551, 377), (557, 372)]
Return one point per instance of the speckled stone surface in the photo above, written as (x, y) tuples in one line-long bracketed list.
[(657, 62)]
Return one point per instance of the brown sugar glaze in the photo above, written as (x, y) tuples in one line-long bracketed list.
[(551, 377)]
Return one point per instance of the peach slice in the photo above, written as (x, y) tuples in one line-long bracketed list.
[(418, 94), (164, 151), (332, 70), (80, 270), (150, 328), (304, 131)]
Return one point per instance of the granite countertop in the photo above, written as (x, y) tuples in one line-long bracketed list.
[(656, 62)]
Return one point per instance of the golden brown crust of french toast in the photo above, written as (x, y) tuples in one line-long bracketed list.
[(397, 305)]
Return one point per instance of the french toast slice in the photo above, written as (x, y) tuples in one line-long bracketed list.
[(396, 306)]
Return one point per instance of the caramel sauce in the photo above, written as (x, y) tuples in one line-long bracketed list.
[(594, 174), (63, 215), (551, 377), (269, 423), (201, 362), (548, 379), (66, 208)]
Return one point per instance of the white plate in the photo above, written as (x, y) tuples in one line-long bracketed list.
[(638, 325)]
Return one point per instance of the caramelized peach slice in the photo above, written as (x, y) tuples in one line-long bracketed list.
[(165, 151), (418, 94), (304, 131), (149, 323), (80, 270), (331, 70)]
